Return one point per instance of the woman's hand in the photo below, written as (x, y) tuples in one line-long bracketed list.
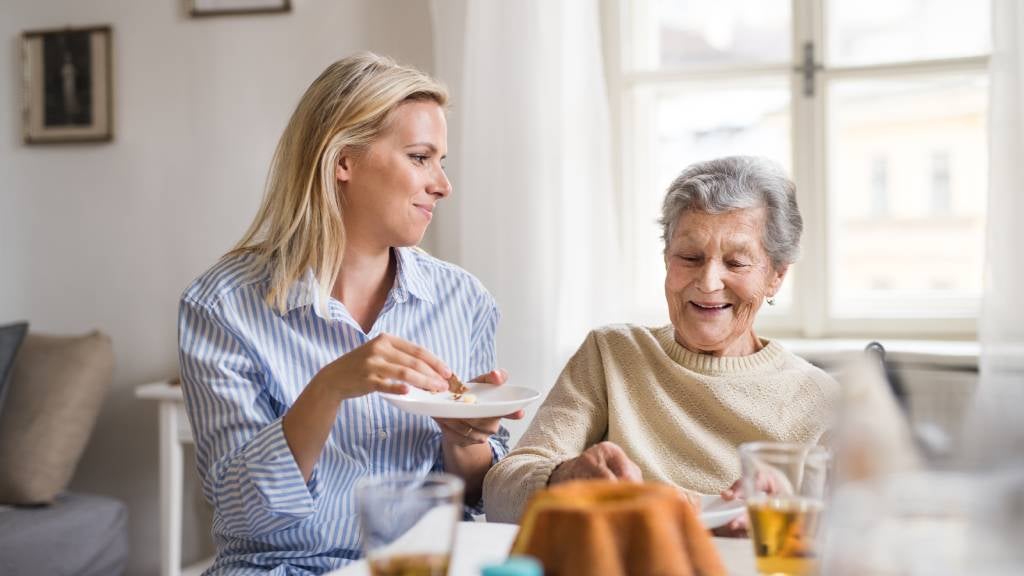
[(605, 460), (468, 432), (385, 364), (467, 453), (738, 528)]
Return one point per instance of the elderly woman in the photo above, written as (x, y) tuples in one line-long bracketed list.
[(672, 403)]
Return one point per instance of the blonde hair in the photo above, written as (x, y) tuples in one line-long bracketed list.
[(299, 224)]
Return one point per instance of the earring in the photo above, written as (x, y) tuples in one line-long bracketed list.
[(770, 300)]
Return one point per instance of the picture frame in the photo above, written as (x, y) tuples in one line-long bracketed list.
[(204, 8), (67, 85)]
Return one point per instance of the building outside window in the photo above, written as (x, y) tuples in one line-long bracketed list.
[(941, 204), (867, 104)]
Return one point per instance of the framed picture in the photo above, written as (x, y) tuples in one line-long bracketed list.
[(67, 85), (199, 8)]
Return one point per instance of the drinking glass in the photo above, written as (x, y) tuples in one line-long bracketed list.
[(784, 486), (408, 522)]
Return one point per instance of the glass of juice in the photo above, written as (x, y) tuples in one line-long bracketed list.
[(784, 486), (408, 522)]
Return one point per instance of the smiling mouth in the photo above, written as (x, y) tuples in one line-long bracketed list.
[(429, 212), (711, 307)]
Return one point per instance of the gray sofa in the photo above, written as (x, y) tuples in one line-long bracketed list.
[(77, 534), (49, 400)]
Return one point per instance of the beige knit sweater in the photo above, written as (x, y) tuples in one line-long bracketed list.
[(677, 414)]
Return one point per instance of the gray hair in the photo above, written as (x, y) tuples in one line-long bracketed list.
[(734, 183)]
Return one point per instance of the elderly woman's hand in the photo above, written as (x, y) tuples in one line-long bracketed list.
[(605, 460), (737, 528), (467, 432), (767, 483)]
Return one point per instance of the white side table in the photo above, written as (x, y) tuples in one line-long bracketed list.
[(174, 434)]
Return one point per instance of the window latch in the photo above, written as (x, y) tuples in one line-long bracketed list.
[(807, 68)]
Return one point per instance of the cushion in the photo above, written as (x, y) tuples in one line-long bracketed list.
[(78, 534), (55, 391), (11, 336)]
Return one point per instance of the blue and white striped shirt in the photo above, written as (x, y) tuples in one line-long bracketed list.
[(243, 364)]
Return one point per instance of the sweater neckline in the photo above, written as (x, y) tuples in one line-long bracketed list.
[(766, 357)]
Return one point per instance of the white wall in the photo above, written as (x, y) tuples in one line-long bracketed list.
[(107, 235)]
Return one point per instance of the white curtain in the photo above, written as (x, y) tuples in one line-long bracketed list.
[(532, 214), (998, 424)]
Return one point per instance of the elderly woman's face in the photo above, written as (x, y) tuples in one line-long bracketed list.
[(718, 274)]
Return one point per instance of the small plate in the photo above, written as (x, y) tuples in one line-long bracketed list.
[(715, 512), (491, 401)]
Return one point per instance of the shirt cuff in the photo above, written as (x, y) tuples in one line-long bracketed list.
[(499, 445), (276, 477)]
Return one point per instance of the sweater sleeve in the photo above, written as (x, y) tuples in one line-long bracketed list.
[(573, 417)]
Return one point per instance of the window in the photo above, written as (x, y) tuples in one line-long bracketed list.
[(876, 107), (879, 186), (941, 199)]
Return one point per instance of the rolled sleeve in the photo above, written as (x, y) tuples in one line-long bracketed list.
[(249, 474), (499, 448)]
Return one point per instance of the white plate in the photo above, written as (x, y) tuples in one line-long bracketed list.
[(715, 512), (491, 401)]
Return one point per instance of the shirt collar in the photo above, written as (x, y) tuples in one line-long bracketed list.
[(305, 292), (409, 280)]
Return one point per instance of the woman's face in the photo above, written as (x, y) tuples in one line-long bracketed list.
[(717, 276), (389, 191)]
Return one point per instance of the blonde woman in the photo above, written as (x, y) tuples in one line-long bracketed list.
[(322, 303)]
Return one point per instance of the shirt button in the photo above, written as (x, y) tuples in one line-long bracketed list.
[(382, 434)]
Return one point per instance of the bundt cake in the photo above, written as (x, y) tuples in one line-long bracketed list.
[(597, 527)]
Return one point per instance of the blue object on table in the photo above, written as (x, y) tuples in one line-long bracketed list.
[(515, 566)]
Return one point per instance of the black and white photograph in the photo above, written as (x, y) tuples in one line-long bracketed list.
[(201, 8), (67, 85)]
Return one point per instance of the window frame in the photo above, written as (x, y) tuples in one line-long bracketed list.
[(810, 316)]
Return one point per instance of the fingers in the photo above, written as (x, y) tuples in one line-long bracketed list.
[(607, 460), (730, 530), (764, 482), (462, 433), (494, 377), (622, 467), (734, 491), (633, 474), (488, 425), (389, 386), (397, 367), (385, 364), (772, 482), (388, 361), (420, 354), (517, 415)]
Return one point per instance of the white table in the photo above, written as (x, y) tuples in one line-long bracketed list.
[(480, 543), (174, 434), (476, 544)]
